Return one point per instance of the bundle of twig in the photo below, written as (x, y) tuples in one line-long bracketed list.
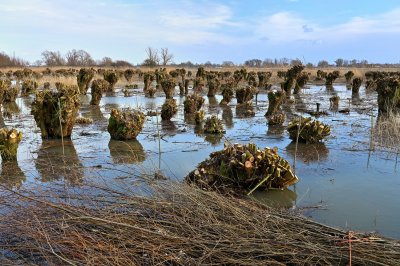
[(174, 225)]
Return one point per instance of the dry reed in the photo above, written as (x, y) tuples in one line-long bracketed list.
[(172, 224)]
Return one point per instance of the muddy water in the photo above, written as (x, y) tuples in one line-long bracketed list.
[(342, 183)]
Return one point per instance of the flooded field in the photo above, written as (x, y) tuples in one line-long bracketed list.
[(346, 181)]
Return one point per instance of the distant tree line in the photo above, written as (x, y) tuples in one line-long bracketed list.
[(163, 57)]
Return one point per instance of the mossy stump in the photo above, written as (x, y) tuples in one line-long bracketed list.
[(242, 169), (212, 88), (331, 77), (193, 103), (125, 124), (9, 141), (168, 109), (128, 74), (84, 78), (213, 125), (307, 130), (55, 111), (301, 81), (98, 87)]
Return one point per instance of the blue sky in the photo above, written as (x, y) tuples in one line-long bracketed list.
[(204, 30)]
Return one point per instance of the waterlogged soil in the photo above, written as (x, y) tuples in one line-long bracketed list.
[(344, 181)]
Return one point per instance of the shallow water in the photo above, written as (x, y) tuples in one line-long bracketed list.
[(341, 182)]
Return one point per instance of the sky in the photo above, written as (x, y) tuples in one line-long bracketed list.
[(204, 30)]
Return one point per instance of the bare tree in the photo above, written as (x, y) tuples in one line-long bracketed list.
[(53, 58), (152, 57), (166, 57), (79, 58)]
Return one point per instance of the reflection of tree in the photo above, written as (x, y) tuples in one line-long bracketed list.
[(11, 109), (276, 130), (308, 152), (244, 110), (52, 164), (168, 127), (214, 139), (11, 174), (277, 198), (94, 112), (227, 116), (126, 152)]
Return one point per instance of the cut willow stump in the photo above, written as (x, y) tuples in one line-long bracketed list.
[(307, 130), (242, 168)]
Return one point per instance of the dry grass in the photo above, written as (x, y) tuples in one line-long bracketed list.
[(174, 224), (386, 133)]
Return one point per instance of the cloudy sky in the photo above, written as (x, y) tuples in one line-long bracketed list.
[(204, 30)]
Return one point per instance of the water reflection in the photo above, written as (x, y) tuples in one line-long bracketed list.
[(276, 198), (168, 127), (308, 152), (276, 130), (126, 152), (244, 110), (11, 174), (53, 164), (214, 139), (227, 116)]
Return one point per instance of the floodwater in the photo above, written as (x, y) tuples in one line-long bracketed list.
[(343, 181)]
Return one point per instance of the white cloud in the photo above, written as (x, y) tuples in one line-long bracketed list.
[(284, 27)]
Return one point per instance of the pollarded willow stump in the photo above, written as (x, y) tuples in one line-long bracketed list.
[(349, 75), (227, 94), (212, 87), (168, 86), (9, 141), (125, 124), (301, 81), (193, 103), (83, 78), (331, 77), (128, 74), (356, 85), (168, 109), (55, 111), (245, 95), (275, 100), (388, 89), (98, 87), (276, 119), (112, 78), (213, 125), (28, 87)]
